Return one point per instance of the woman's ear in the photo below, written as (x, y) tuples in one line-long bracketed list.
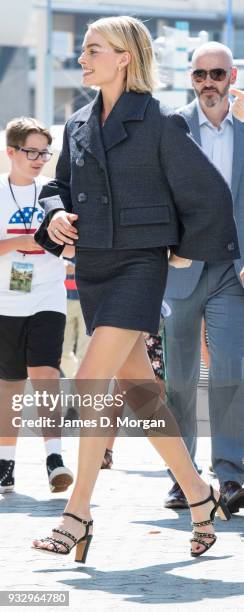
[(124, 61)]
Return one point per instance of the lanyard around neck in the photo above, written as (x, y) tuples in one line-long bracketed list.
[(19, 208)]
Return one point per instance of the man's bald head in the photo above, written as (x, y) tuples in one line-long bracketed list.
[(212, 74), (213, 48)]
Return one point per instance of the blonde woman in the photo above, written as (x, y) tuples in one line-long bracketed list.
[(131, 182)]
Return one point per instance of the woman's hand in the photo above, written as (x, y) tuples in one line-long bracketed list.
[(60, 228), (237, 106), (179, 262)]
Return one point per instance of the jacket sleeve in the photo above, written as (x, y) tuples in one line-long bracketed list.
[(57, 193), (201, 197), (54, 196)]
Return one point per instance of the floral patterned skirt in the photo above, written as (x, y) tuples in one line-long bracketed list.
[(155, 354)]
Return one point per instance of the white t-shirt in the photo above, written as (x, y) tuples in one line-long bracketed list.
[(48, 273)]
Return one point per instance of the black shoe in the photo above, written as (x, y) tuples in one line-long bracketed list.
[(107, 460), (71, 414), (59, 476), (6, 475), (176, 498), (233, 495), (211, 471)]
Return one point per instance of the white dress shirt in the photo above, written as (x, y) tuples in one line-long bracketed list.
[(218, 143)]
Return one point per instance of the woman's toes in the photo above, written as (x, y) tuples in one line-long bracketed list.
[(197, 548)]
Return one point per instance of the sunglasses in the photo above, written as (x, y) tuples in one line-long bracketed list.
[(33, 155), (216, 74)]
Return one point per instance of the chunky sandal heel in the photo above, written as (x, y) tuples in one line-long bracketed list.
[(223, 511), (82, 544), (199, 536), (82, 550)]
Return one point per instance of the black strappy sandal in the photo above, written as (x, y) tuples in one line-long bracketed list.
[(107, 460), (82, 544), (224, 514)]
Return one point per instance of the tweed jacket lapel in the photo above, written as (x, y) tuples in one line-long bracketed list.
[(88, 132), (238, 156), (131, 106)]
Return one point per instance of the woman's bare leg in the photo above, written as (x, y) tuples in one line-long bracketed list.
[(100, 364), (127, 358), (172, 450)]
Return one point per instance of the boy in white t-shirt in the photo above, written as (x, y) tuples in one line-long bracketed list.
[(32, 296)]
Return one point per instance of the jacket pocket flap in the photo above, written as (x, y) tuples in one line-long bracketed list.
[(144, 215)]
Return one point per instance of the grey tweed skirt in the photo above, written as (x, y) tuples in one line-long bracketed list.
[(121, 288)]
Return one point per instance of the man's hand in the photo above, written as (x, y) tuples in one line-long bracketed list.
[(242, 276), (237, 106), (60, 228), (179, 262)]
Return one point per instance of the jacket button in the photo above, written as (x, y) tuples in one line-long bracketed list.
[(230, 246), (82, 197), (104, 199), (80, 162)]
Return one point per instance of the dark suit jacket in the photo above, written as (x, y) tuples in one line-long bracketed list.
[(182, 283), (141, 181)]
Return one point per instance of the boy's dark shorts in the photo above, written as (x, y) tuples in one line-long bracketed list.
[(32, 341)]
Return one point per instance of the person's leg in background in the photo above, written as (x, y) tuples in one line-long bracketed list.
[(225, 327), (11, 393), (69, 362), (183, 346), (82, 339), (43, 356), (13, 375)]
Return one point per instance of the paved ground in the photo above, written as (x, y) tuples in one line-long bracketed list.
[(139, 558)]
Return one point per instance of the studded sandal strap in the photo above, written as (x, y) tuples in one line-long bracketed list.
[(77, 518), (199, 541), (56, 548), (204, 534), (66, 533), (202, 523)]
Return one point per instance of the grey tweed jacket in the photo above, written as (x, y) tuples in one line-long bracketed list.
[(140, 181)]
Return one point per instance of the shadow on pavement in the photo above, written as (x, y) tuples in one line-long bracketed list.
[(151, 584), (144, 473), (182, 522), (17, 503)]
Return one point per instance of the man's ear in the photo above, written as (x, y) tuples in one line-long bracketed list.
[(233, 75)]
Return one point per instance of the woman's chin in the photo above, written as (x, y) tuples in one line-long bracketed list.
[(88, 81)]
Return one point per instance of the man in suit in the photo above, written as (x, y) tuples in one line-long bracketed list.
[(214, 291)]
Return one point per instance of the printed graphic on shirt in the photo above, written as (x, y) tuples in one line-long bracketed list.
[(26, 221)]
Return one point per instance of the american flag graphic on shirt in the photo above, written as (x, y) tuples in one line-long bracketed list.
[(16, 225)]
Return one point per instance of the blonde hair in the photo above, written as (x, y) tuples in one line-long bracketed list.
[(131, 35)]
